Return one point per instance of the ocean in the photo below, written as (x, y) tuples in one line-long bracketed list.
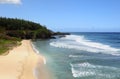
[(82, 55)]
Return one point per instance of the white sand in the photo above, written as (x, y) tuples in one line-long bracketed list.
[(20, 62)]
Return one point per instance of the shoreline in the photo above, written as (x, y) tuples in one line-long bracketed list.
[(21, 63), (41, 71), (37, 52)]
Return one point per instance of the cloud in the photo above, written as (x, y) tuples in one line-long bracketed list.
[(10, 1)]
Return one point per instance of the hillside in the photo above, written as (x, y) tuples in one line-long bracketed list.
[(23, 29), (12, 31)]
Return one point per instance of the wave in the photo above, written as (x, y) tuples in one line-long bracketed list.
[(86, 69), (34, 48), (80, 43), (76, 56), (84, 57)]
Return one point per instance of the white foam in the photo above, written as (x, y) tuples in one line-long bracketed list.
[(75, 56), (44, 60), (34, 48), (87, 69), (80, 43), (81, 72), (77, 73)]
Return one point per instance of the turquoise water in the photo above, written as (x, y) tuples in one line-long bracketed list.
[(82, 56)]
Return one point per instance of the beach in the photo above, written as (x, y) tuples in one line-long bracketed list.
[(21, 63)]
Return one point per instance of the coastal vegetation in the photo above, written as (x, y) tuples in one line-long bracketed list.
[(23, 29), (12, 31), (7, 44)]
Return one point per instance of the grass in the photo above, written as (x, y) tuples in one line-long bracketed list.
[(6, 45)]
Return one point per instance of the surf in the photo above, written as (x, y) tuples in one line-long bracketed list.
[(78, 42), (87, 69)]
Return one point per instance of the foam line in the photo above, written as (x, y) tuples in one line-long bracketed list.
[(44, 60), (86, 69), (80, 43)]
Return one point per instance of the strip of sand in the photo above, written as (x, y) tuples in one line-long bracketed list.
[(20, 62)]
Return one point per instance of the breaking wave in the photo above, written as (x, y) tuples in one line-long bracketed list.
[(86, 69), (80, 43)]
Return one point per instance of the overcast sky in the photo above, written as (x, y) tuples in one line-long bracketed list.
[(67, 15)]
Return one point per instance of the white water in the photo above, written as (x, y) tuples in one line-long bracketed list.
[(34, 48), (80, 43), (86, 69), (75, 56)]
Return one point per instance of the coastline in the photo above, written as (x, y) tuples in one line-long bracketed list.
[(41, 71), (21, 63)]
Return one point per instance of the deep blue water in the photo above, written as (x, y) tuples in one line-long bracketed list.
[(82, 55)]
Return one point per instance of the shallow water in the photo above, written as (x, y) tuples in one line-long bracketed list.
[(82, 56)]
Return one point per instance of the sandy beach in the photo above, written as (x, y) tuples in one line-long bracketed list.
[(21, 62)]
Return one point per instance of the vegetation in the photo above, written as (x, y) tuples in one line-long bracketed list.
[(7, 43), (13, 30), (23, 29)]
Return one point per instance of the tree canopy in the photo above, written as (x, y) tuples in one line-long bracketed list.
[(23, 29)]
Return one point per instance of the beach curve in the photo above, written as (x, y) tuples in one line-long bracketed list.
[(20, 62)]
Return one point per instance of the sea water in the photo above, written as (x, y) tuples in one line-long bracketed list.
[(82, 55)]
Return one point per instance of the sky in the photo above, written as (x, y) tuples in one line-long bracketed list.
[(66, 15)]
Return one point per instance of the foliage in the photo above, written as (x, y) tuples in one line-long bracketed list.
[(23, 29), (13, 30), (6, 44)]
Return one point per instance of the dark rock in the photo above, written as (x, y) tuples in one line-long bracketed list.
[(52, 37), (61, 33)]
